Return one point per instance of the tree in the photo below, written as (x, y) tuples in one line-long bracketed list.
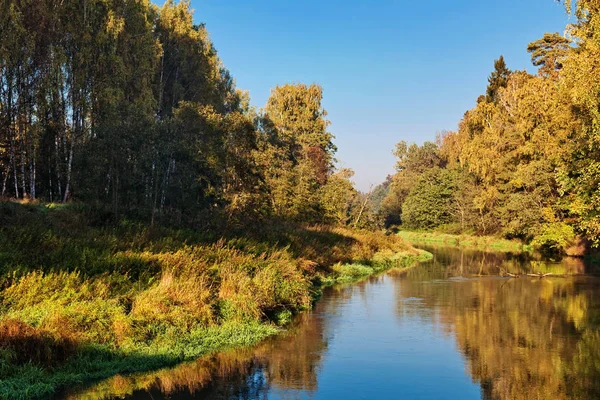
[(579, 175), (430, 202), (497, 80), (412, 161), (297, 151), (337, 196), (549, 52)]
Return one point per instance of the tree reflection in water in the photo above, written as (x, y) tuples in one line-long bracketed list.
[(521, 338)]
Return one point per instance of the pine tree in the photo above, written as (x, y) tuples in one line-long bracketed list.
[(549, 52), (498, 79)]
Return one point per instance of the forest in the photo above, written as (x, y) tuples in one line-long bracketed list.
[(524, 162), (127, 107), (149, 214)]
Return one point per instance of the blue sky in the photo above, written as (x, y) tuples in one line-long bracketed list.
[(390, 70)]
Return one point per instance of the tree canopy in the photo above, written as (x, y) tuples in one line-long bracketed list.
[(527, 156), (127, 105)]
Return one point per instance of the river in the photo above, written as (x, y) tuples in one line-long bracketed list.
[(451, 328)]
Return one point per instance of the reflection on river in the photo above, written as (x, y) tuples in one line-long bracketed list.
[(451, 328)]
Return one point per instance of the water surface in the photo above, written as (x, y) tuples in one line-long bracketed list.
[(447, 329)]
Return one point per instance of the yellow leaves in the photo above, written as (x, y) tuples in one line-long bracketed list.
[(582, 80), (115, 24), (548, 214), (178, 18), (509, 141), (486, 198)]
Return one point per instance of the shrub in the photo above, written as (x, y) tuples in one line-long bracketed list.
[(65, 305), (554, 238), (352, 272)]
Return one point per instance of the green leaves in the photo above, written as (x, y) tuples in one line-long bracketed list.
[(297, 155), (430, 202)]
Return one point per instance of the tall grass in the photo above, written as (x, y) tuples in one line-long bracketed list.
[(81, 300)]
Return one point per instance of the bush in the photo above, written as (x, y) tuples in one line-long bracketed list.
[(553, 239), (66, 306), (352, 272)]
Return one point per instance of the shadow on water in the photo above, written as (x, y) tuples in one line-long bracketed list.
[(449, 328)]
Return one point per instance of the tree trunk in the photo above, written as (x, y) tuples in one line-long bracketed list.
[(23, 163), (69, 165), (31, 153), (13, 160), (364, 204), (56, 159), (4, 181), (32, 177)]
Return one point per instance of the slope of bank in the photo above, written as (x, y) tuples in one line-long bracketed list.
[(84, 300)]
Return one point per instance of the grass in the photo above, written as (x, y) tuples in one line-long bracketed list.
[(466, 241), (31, 380), (82, 300), (351, 273)]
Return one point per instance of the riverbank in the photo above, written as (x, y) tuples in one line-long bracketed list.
[(314, 357), (466, 241), (354, 273), (83, 300)]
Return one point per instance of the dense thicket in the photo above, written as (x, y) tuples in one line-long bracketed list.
[(126, 105), (524, 162)]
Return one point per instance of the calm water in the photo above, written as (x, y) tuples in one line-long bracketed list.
[(448, 329)]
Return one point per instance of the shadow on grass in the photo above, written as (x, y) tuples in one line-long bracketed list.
[(29, 380), (72, 237), (91, 363)]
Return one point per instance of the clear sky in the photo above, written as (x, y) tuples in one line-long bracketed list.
[(390, 70)]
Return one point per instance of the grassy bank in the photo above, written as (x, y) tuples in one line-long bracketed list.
[(355, 272), (83, 300), (466, 241)]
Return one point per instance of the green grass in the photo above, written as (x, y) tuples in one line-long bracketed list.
[(466, 241), (82, 299), (98, 362), (382, 261)]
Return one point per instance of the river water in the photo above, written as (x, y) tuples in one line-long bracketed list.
[(452, 328)]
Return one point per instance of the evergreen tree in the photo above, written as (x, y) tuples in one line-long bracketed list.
[(549, 52), (497, 80)]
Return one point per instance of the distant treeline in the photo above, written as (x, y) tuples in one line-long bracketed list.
[(525, 162), (126, 105)]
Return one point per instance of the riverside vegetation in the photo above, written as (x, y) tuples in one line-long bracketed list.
[(524, 162), (82, 300), (493, 243), (149, 213)]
